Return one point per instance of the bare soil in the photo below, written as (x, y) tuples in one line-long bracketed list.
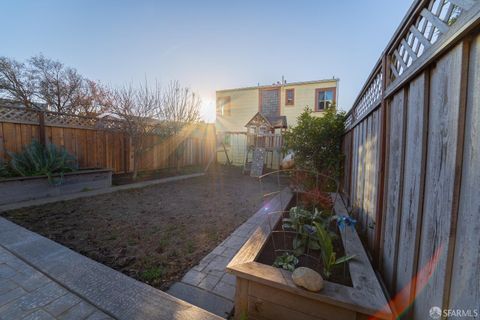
[(154, 234), (126, 178)]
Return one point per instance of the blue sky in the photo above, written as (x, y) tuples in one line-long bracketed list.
[(207, 45)]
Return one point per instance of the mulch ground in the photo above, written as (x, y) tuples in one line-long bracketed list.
[(154, 234)]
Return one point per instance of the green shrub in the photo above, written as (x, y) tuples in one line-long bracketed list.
[(317, 141), (37, 160)]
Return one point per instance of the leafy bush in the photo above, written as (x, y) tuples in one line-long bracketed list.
[(37, 159), (317, 141)]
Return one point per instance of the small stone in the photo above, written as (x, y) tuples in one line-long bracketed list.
[(308, 279)]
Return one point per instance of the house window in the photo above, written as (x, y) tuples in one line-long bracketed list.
[(289, 97), (324, 98), (224, 107)]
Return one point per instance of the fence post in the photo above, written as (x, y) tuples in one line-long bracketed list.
[(41, 122), (126, 153), (381, 168)]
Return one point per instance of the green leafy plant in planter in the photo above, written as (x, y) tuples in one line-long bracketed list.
[(286, 261), (302, 222), (328, 255), (38, 160)]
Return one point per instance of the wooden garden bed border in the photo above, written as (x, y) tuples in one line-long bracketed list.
[(366, 295)]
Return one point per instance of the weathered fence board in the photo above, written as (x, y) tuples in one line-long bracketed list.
[(373, 179), (464, 292), (440, 175), (392, 213), (367, 191), (347, 164), (361, 171), (353, 186), (410, 218)]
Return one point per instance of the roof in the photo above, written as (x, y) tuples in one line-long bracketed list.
[(286, 84), (278, 121), (272, 121)]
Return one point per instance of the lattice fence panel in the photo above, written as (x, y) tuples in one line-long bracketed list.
[(371, 97), (433, 21), (18, 115), (74, 121)]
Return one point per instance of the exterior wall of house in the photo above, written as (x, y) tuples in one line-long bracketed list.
[(244, 103), (304, 97)]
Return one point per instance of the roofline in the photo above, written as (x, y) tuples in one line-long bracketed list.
[(282, 85)]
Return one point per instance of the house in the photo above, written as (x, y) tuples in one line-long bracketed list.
[(257, 116), (235, 107)]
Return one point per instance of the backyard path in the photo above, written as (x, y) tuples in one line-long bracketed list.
[(41, 279), (208, 285), (26, 293)]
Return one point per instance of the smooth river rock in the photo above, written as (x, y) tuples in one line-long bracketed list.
[(308, 279)]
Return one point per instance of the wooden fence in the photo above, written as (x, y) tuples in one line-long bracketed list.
[(412, 169), (101, 143)]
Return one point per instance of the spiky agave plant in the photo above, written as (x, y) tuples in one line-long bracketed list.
[(37, 159), (4, 169)]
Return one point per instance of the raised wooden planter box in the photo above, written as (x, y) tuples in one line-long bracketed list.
[(29, 188), (265, 292)]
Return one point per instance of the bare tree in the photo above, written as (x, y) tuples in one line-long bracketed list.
[(92, 98), (57, 85), (42, 82), (139, 109), (180, 108), (149, 111), (17, 83)]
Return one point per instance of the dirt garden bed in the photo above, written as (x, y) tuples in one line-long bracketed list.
[(154, 234), (126, 178)]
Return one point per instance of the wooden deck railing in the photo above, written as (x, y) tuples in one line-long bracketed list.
[(412, 167)]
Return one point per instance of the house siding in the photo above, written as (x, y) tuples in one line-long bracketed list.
[(245, 103)]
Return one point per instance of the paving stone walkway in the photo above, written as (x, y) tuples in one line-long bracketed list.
[(41, 279), (26, 293), (208, 285)]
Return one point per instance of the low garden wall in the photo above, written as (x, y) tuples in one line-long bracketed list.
[(29, 188)]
